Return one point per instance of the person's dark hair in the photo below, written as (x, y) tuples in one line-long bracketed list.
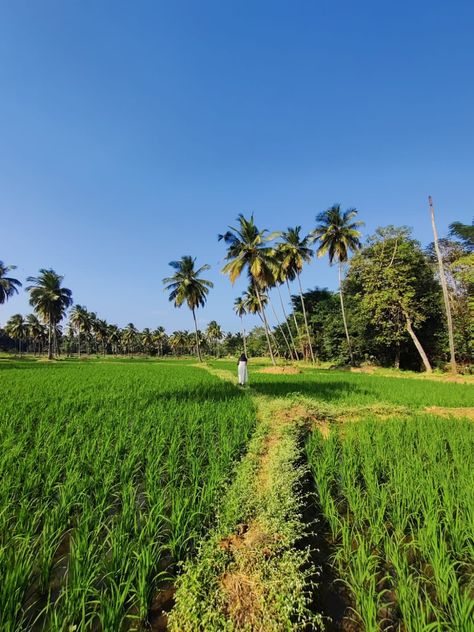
[(243, 358)]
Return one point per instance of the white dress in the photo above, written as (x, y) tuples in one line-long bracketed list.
[(242, 371)]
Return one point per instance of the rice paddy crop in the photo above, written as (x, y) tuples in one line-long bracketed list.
[(398, 498), (344, 388), (110, 473)]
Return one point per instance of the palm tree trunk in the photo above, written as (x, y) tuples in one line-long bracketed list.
[(243, 336), (287, 324), (265, 323), (298, 333), (79, 344), (197, 337), (281, 328), (442, 278), (305, 319), (341, 296), (272, 337), (417, 344), (50, 350)]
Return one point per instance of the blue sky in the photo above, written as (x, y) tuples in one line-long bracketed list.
[(133, 133)]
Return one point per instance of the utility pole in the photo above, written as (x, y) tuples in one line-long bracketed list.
[(442, 278)]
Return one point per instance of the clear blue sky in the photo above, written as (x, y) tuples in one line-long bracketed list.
[(132, 133)]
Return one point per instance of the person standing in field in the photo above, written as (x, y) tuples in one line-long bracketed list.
[(242, 370)]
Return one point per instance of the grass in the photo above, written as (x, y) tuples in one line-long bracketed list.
[(110, 474)]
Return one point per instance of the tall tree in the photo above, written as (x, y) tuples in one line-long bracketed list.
[(253, 302), (50, 301), (294, 251), (113, 338), (279, 326), (159, 338), (444, 286), (186, 286), (337, 236), (80, 322), (146, 339), (458, 265), (395, 287), (463, 232), (17, 328), (239, 309), (281, 277), (100, 329), (214, 334), (248, 250), (8, 285), (179, 340), (129, 337), (36, 331)]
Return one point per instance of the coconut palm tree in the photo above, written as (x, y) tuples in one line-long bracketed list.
[(337, 236), (282, 276), (274, 284), (91, 338), (253, 302), (294, 252), (129, 337), (17, 328), (179, 341), (113, 338), (214, 334), (8, 285), (159, 338), (463, 232), (50, 301), (79, 320), (101, 333), (185, 286), (240, 310), (146, 338), (36, 331), (247, 250)]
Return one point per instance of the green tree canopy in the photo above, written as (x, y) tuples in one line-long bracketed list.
[(8, 285)]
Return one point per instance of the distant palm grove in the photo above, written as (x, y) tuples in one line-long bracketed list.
[(398, 304)]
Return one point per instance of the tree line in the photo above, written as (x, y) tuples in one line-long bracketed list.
[(389, 307)]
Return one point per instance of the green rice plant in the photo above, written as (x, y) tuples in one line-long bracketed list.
[(110, 474), (398, 495), (343, 389), (362, 582)]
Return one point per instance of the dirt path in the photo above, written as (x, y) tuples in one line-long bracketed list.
[(451, 412), (250, 573)]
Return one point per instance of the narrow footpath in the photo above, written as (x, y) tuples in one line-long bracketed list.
[(252, 572)]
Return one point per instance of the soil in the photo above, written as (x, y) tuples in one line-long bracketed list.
[(451, 412), (162, 604), (280, 370), (330, 598)]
